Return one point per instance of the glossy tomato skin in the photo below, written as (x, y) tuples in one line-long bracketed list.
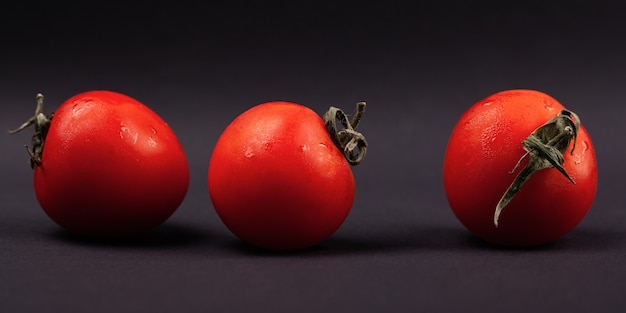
[(110, 167), (483, 149), (276, 179)]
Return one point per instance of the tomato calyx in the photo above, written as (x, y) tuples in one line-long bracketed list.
[(545, 148), (42, 124), (351, 142)]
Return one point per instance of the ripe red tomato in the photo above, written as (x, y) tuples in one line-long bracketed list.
[(109, 167), (277, 180), (483, 150)]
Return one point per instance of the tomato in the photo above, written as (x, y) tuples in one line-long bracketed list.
[(106, 165), (277, 179), (481, 165)]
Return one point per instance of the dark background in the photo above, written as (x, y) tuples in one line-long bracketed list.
[(418, 64)]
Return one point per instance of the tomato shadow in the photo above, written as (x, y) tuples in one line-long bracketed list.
[(579, 239), (237, 246), (590, 239), (415, 239), (166, 235), (448, 239), (356, 243)]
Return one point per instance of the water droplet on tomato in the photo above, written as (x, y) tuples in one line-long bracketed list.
[(152, 142), (248, 152), (579, 156), (128, 133), (79, 107), (585, 146), (547, 105)]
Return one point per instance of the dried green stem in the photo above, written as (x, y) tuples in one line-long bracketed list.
[(41, 123), (545, 148)]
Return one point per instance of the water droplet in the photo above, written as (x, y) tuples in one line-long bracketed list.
[(547, 104), (128, 133), (248, 152), (79, 107), (152, 142), (585, 146)]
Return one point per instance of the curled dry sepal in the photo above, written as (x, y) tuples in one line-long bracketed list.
[(545, 148), (347, 139)]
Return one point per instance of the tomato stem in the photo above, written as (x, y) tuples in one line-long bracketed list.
[(348, 140), (42, 124), (545, 148)]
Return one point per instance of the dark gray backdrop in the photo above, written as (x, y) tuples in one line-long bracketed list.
[(418, 64)]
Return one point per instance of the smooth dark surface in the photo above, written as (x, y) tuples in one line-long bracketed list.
[(419, 65)]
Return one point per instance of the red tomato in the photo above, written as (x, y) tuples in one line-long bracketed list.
[(109, 167), (276, 179), (484, 148)]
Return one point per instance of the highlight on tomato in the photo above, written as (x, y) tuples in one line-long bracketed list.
[(279, 176), (106, 165), (520, 169)]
